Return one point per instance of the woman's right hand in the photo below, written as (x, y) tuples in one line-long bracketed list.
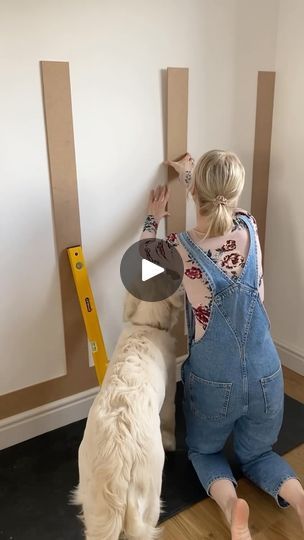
[(157, 204)]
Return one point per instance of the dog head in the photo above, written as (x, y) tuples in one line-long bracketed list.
[(162, 314)]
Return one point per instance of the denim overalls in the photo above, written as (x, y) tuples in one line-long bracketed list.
[(233, 380)]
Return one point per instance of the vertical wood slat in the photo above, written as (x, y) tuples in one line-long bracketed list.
[(63, 178), (176, 147), (262, 149)]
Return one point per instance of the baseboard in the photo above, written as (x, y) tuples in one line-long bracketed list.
[(29, 424), (291, 358), (24, 426)]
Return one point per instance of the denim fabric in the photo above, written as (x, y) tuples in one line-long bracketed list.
[(233, 380)]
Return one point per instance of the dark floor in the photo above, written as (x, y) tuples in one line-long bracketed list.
[(36, 478)]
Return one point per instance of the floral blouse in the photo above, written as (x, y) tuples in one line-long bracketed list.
[(229, 252)]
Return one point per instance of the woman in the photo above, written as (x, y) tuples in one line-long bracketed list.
[(232, 377)]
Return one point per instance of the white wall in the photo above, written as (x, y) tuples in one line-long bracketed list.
[(284, 261), (116, 50)]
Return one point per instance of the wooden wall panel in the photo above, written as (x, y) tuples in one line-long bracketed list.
[(262, 149), (63, 177), (176, 147)]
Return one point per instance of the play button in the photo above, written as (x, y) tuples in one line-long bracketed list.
[(151, 270)]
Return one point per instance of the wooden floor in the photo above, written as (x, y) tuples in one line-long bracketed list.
[(204, 520)]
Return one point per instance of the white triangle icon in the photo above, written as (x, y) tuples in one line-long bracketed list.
[(150, 270)]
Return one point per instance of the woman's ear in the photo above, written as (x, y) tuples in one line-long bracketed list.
[(130, 306)]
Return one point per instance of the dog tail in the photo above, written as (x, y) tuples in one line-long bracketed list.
[(102, 495), (135, 527)]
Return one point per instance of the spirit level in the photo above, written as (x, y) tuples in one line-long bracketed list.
[(88, 310)]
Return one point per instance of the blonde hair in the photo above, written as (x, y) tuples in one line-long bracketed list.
[(217, 182)]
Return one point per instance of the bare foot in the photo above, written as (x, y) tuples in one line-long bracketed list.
[(239, 521), (292, 491), (300, 511)]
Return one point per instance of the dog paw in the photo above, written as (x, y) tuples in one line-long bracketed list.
[(169, 442)]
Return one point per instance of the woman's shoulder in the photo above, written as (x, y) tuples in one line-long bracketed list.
[(241, 212)]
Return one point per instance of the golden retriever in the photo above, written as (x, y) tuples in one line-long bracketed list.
[(131, 421)]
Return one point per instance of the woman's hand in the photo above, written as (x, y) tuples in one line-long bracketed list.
[(158, 201), (183, 167)]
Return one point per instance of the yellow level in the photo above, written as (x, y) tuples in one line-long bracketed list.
[(88, 310)]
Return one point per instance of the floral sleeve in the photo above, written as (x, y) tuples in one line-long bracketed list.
[(150, 228), (185, 178)]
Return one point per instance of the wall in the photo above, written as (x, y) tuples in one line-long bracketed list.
[(284, 260), (117, 50)]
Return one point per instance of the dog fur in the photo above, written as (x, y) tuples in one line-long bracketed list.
[(131, 421)]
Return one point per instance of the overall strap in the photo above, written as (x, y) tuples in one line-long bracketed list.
[(216, 278), (250, 273)]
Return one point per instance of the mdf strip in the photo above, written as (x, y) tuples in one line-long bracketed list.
[(176, 147), (63, 177), (62, 167), (262, 149)]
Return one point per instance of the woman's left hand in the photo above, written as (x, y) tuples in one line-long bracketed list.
[(184, 164), (158, 201), (184, 168)]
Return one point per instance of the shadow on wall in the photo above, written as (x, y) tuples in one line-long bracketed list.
[(283, 267)]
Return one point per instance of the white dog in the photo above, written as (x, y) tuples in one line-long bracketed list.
[(121, 456)]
